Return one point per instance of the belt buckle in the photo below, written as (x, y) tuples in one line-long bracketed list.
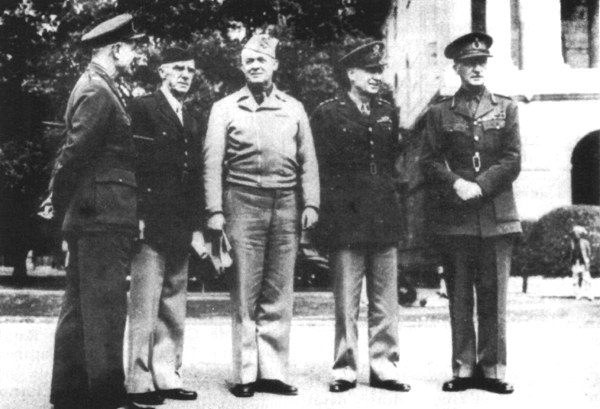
[(373, 168), (476, 162)]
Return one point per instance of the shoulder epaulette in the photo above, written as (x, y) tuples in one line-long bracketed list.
[(327, 101), (441, 99), (502, 96)]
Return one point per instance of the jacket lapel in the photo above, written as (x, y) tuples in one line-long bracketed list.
[(166, 109)]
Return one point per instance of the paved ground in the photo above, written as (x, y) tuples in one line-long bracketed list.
[(554, 358)]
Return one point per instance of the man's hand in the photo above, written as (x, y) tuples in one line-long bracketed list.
[(216, 222), (309, 218), (467, 190)]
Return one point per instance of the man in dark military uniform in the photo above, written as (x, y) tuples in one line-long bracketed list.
[(357, 142), (472, 155), (168, 141), (94, 188)]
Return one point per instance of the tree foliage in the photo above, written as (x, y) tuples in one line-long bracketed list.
[(41, 58)]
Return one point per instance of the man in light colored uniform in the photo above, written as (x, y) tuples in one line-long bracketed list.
[(260, 173)]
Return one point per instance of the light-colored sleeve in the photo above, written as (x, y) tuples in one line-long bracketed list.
[(307, 158), (214, 154)]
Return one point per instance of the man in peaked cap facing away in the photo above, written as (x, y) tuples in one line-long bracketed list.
[(357, 142), (168, 142), (471, 156), (94, 188), (260, 144)]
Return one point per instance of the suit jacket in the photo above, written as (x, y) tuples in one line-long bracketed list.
[(169, 171), (93, 184), (482, 147), (356, 156)]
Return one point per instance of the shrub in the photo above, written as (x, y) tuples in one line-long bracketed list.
[(543, 250)]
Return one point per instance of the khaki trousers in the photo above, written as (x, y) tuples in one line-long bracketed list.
[(478, 272)]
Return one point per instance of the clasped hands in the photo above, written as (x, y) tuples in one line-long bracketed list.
[(467, 190)]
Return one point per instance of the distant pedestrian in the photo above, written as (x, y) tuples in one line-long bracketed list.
[(579, 256)]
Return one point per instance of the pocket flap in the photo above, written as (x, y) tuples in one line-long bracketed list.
[(117, 176), (493, 124)]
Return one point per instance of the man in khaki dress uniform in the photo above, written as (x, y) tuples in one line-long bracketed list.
[(472, 155)]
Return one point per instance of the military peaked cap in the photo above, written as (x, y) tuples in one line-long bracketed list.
[(175, 54), (365, 56), (469, 46), (262, 43), (119, 28)]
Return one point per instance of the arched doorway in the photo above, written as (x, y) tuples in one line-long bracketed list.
[(585, 170)]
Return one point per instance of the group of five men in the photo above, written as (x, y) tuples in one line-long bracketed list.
[(144, 169)]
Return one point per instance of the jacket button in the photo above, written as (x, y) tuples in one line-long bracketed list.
[(371, 142), (186, 154), (476, 138), (164, 133), (370, 129)]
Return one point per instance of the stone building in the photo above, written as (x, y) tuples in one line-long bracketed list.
[(546, 55)]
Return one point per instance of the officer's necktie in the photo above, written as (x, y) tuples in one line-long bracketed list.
[(179, 114)]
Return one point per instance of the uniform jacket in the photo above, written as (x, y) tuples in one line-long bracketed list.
[(264, 146), (169, 170), (93, 183), (483, 147), (357, 157)]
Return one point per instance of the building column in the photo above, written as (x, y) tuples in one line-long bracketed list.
[(498, 24), (541, 34), (593, 33)]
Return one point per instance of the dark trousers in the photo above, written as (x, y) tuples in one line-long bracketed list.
[(88, 349), (478, 269)]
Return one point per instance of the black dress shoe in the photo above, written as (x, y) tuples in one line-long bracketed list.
[(458, 384), (275, 386), (178, 394), (243, 390), (340, 385), (495, 386), (145, 398), (390, 385)]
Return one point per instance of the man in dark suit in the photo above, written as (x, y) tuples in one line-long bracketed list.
[(168, 140), (94, 188), (357, 142), (472, 155)]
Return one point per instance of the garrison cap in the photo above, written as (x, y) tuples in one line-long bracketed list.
[(262, 43), (470, 45), (175, 54), (119, 28), (366, 56)]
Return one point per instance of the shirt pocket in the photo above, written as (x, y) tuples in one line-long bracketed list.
[(115, 197)]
